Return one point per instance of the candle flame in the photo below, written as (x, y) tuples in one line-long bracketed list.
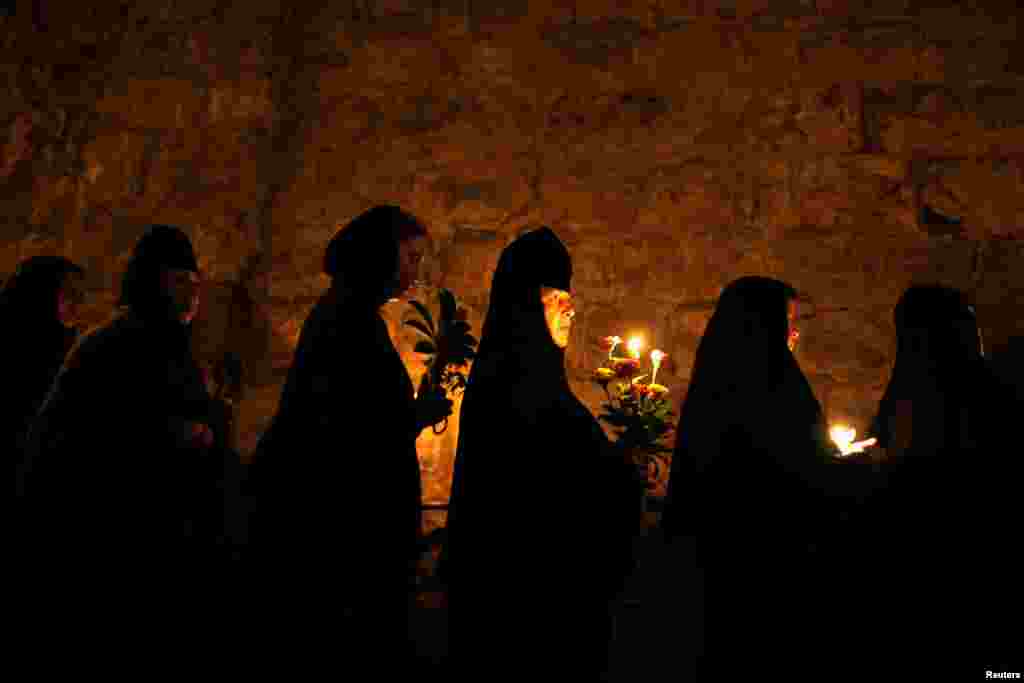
[(843, 436), (634, 345), (657, 356)]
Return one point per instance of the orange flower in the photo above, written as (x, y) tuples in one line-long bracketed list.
[(638, 390), (657, 390)]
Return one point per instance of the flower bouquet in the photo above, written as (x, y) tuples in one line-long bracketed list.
[(640, 412), (449, 347)]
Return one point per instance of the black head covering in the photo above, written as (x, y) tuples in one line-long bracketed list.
[(518, 365), (744, 380), (515, 337), (938, 355), (364, 254), (34, 344), (745, 339), (519, 407), (943, 319), (163, 246), (31, 292)]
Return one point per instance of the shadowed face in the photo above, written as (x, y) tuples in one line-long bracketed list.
[(558, 313), (793, 335), (410, 256), (182, 287)]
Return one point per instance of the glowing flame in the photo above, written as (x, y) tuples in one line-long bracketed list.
[(843, 437), (656, 357), (634, 345)]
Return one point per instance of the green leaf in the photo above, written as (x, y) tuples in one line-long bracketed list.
[(426, 315), (418, 325), (447, 304), (424, 347)]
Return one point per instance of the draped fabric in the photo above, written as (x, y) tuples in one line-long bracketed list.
[(950, 503), (939, 368), (752, 496), (123, 512), (34, 344), (335, 476), (542, 509), (335, 480)]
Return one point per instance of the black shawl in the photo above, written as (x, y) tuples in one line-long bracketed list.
[(335, 477), (940, 370), (751, 441), (750, 493), (110, 473), (952, 499), (34, 345), (542, 509)]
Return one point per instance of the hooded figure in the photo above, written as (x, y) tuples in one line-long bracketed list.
[(941, 382), (748, 491), (34, 305), (535, 555), (335, 477), (953, 489), (122, 466)]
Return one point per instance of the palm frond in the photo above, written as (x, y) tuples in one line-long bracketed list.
[(447, 304), (419, 325), (425, 313), (424, 347)]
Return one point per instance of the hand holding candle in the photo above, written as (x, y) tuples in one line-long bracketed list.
[(843, 437)]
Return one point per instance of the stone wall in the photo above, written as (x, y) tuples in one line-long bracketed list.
[(849, 147)]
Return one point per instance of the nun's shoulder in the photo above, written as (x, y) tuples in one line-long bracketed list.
[(111, 339)]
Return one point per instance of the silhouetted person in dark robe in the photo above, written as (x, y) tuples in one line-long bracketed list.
[(124, 474), (38, 306), (543, 508), (750, 497), (951, 508), (336, 478)]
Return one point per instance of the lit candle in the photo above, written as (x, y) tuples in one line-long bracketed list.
[(634, 346), (612, 343), (843, 437), (656, 357)]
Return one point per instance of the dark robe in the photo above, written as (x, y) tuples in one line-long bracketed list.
[(336, 474), (335, 477), (125, 513), (543, 510), (33, 346), (754, 498), (951, 506)]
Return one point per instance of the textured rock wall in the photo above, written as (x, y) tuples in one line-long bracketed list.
[(848, 147)]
